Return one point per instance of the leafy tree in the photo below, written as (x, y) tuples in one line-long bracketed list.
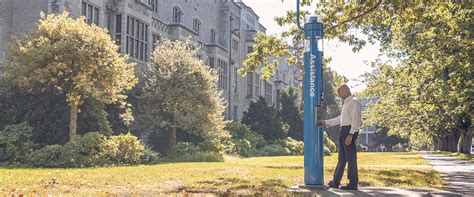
[(179, 91), (264, 120), (291, 114), (70, 57), (47, 113), (428, 95)]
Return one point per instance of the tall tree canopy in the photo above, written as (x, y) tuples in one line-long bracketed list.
[(73, 58)]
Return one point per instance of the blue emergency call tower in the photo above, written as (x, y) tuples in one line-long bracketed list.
[(313, 89)]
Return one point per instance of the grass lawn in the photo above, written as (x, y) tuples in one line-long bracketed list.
[(241, 176)]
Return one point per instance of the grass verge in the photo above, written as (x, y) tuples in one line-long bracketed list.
[(235, 175)]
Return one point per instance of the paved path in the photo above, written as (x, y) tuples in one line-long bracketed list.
[(372, 191), (458, 173)]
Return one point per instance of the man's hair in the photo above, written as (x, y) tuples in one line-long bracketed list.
[(344, 87)]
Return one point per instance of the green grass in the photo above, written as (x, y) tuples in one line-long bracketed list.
[(249, 176)]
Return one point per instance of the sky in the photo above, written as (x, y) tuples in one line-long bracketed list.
[(344, 61)]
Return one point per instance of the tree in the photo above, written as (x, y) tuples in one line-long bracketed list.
[(291, 114), (70, 57), (264, 120), (428, 95), (179, 91)]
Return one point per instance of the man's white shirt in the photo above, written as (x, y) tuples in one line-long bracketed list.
[(350, 115)]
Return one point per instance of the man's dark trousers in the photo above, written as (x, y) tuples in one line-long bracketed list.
[(347, 154)]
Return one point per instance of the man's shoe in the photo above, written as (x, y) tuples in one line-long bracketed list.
[(333, 184), (349, 187)]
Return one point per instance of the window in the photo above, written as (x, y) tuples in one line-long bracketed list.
[(137, 39), (236, 82), (118, 30), (278, 99), (257, 85), (213, 36), (91, 13), (211, 62), (268, 93), (154, 5), (155, 39), (235, 45), (196, 25), (249, 84), (177, 14), (234, 112), (222, 66)]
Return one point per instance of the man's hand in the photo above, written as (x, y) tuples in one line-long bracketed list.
[(321, 123), (348, 140)]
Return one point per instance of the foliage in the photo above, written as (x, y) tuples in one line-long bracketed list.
[(326, 151), (85, 151), (329, 143), (186, 148), (427, 96), (273, 149), (264, 120), (47, 113), (294, 146), (245, 140), (70, 57), (49, 157), (122, 149), (149, 156), (16, 143), (291, 114), (179, 91)]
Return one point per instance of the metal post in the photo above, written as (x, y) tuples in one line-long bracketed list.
[(230, 63), (313, 88)]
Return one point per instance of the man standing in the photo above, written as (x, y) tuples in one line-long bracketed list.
[(350, 121)]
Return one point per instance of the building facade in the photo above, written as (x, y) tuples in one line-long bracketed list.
[(224, 29)]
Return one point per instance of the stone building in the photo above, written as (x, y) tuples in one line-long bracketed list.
[(224, 29)]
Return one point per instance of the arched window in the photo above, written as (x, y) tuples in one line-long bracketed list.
[(196, 25), (213, 36), (177, 13)]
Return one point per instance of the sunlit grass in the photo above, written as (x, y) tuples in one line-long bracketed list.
[(250, 175)]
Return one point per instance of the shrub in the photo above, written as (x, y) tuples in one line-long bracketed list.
[(264, 119), (48, 156), (327, 152), (183, 148), (275, 149), (122, 149), (85, 151), (329, 143), (16, 143), (149, 156), (296, 147), (244, 140)]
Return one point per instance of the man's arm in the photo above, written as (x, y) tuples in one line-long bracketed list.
[(333, 122), (355, 117)]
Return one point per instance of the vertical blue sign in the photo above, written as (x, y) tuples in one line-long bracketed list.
[(313, 134)]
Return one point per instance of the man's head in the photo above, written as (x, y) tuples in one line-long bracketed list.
[(344, 91)]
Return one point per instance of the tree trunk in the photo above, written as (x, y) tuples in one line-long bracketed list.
[(465, 141), (172, 138), (73, 121)]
